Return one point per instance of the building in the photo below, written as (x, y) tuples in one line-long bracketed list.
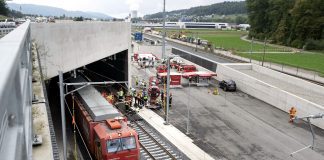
[(203, 25), (134, 14), (186, 25), (244, 26)]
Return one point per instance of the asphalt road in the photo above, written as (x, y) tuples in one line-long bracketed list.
[(236, 126), (192, 50)]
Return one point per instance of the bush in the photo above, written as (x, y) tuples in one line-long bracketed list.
[(312, 44), (297, 43)]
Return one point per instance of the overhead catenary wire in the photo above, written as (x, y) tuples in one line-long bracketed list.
[(68, 107), (98, 74)]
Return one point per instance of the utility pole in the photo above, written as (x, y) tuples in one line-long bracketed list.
[(167, 93), (62, 113), (264, 47), (164, 33), (251, 49), (196, 41)]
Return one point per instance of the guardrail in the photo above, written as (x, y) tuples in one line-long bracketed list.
[(16, 94)]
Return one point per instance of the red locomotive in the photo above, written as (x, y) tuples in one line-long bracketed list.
[(103, 127)]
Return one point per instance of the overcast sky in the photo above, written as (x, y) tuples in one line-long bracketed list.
[(120, 8)]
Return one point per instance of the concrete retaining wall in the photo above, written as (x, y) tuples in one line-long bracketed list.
[(239, 66), (270, 94), (66, 46), (284, 77)]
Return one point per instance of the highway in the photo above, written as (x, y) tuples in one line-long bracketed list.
[(234, 125), (192, 50)]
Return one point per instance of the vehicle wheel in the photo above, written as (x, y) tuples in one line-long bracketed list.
[(225, 88)]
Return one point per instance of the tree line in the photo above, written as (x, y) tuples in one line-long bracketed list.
[(224, 8), (296, 23), (3, 8)]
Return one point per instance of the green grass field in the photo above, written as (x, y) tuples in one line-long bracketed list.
[(309, 61), (229, 40)]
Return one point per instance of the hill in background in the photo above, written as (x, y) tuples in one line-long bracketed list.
[(201, 12), (53, 11)]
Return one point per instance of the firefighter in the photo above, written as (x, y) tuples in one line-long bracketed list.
[(120, 94), (145, 99), (144, 83), (127, 106), (292, 114), (136, 81), (170, 100), (140, 99), (162, 96), (136, 99), (133, 95), (110, 98), (152, 62)]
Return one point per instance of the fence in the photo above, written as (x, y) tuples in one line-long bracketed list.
[(16, 94), (5, 31)]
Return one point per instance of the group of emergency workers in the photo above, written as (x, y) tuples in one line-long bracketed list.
[(141, 95), (146, 62)]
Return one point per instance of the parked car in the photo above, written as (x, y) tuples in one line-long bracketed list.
[(227, 85)]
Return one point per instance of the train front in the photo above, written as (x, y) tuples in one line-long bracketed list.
[(115, 140)]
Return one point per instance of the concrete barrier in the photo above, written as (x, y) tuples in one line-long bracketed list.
[(270, 94), (284, 77), (239, 66)]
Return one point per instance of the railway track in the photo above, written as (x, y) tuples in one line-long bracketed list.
[(152, 146)]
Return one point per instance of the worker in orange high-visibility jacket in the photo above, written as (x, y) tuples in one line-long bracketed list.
[(292, 114)]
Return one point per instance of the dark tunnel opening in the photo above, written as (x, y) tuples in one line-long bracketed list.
[(112, 68)]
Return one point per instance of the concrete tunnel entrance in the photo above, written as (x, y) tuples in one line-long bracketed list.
[(112, 68)]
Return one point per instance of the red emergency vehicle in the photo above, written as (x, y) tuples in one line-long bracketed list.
[(200, 78), (187, 68), (161, 68), (175, 78)]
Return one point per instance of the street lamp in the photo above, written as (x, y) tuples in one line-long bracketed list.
[(251, 48), (168, 89), (188, 111), (308, 118)]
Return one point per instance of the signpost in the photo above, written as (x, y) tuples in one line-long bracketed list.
[(138, 36)]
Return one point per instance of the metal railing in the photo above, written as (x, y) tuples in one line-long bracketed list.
[(16, 94)]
